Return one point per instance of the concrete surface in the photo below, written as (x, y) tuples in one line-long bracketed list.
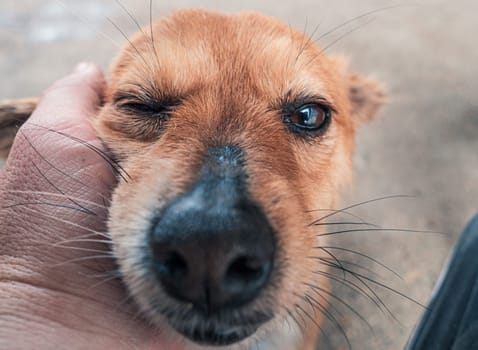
[(425, 142)]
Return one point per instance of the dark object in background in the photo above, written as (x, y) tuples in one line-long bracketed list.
[(451, 320)]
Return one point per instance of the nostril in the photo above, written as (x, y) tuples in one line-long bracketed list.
[(246, 270), (170, 264)]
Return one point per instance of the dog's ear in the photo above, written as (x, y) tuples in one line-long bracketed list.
[(366, 95)]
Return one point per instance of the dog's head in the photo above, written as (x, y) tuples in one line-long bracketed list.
[(233, 129)]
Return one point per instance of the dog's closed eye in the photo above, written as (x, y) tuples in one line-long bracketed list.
[(145, 106), (141, 116)]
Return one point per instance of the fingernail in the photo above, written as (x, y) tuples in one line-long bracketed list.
[(82, 67)]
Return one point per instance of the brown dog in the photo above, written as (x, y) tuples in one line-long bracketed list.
[(233, 129)]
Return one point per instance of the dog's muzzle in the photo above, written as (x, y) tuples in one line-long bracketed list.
[(213, 247)]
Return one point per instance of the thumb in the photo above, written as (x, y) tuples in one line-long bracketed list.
[(57, 150), (69, 102)]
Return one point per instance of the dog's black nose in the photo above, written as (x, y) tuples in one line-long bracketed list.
[(213, 246)]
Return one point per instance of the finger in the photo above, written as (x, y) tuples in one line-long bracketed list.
[(58, 139), (71, 100)]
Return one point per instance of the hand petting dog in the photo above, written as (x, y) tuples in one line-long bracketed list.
[(51, 296)]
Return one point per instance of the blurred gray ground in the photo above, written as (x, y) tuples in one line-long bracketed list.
[(425, 143)]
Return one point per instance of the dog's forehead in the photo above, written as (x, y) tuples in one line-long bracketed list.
[(197, 50)]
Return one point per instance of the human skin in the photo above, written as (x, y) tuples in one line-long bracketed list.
[(54, 191)]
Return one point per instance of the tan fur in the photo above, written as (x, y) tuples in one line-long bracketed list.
[(13, 113), (229, 73)]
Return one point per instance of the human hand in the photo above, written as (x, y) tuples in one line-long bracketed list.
[(59, 286)]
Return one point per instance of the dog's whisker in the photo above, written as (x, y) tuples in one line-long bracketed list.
[(314, 322), (287, 320), (304, 40), (299, 325), (88, 23), (130, 15), (102, 282), (380, 284), (317, 290), (53, 185), (354, 274), (46, 204), (55, 195), (355, 287), (117, 27), (86, 210), (363, 281), (379, 229), (89, 235), (338, 39), (310, 318), (333, 257), (356, 18), (51, 164), (89, 250), (337, 211), (345, 223), (317, 306), (326, 300), (138, 26), (153, 45), (363, 256), (329, 316), (339, 263), (146, 65), (93, 233), (343, 262), (314, 306), (81, 240), (309, 41), (324, 49), (85, 258), (114, 165), (348, 32), (110, 275), (374, 293), (304, 31)]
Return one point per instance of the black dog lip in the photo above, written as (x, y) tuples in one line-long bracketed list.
[(237, 330), (212, 338)]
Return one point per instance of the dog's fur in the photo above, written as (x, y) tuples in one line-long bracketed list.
[(224, 79)]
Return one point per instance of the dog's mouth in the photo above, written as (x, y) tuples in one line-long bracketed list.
[(217, 336), (225, 328)]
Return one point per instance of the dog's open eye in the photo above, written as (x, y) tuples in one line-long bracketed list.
[(309, 117)]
